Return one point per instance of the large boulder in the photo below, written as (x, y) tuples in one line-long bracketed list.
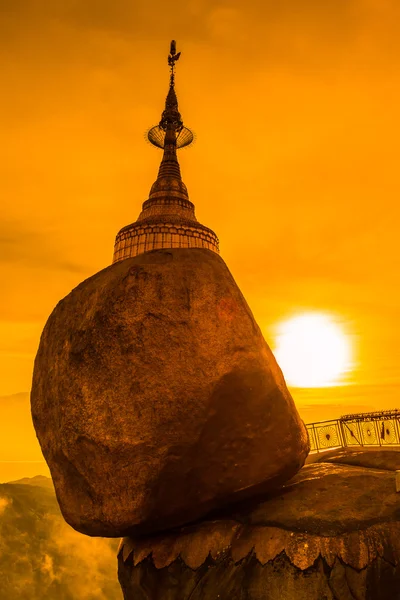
[(156, 399), (331, 533)]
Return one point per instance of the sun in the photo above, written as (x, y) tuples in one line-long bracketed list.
[(312, 350)]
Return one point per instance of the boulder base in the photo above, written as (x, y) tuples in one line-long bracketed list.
[(156, 399), (332, 533)]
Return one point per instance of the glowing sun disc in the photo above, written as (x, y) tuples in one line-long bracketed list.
[(312, 350)]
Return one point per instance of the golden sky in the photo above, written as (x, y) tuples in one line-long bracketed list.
[(295, 107)]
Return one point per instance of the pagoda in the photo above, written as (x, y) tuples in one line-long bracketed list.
[(168, 216)]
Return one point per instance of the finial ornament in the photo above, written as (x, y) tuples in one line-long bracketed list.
[(172, 58), (171, 118)]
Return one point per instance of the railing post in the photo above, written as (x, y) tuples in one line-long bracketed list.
[(342, 434), (378, 433), (360, 434), (315, 438)]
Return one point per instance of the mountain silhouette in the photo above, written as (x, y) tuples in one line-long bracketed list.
[(38, 480)]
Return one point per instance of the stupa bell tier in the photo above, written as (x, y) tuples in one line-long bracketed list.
[(168, 217)]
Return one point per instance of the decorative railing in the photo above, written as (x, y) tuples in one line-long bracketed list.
[(362, 429)]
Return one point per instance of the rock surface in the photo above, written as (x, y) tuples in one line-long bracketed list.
[(332, 533), (156, 399), (386, 459)]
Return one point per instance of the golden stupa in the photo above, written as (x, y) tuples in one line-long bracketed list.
[(167, 219)]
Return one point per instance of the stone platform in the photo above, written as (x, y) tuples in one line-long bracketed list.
[(331, 533)]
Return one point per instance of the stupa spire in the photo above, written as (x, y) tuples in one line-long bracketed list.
[(171, 122), (168, 217)]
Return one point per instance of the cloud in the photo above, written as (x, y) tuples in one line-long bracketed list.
[(23, 245), (47, 568), (89, 562), (280, 31), (4, 503), (42, 557)]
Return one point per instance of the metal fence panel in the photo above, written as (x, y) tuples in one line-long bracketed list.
[(362, 429)]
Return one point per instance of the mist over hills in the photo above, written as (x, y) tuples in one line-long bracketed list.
[(43, 558)]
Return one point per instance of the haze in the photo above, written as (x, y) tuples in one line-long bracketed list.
[(295, 106)]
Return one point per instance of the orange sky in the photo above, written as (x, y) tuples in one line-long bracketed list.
[(295, 107)]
